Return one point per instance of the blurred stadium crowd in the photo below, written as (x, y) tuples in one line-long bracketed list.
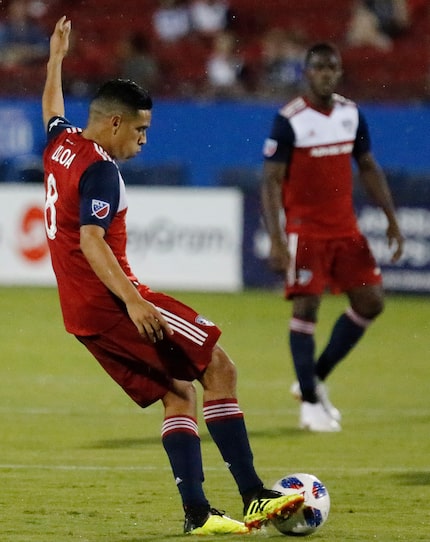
[(219, 49)]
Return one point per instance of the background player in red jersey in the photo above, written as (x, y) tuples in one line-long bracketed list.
[(308, 175), (152, 345)]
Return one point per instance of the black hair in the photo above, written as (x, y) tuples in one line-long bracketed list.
[(322, 48), (124, 92)]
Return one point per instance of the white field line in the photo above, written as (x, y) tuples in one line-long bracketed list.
[(358, 471)]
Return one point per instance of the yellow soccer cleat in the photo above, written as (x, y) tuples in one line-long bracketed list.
[(269, 504), (215, 524)]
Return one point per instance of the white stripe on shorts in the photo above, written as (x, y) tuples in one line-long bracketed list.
[(183, 327), (293, 241)]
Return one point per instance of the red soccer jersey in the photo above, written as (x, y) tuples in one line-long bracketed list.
[(317, 147), (83, 186)]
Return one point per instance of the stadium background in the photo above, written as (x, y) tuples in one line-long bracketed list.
[(196, 143)]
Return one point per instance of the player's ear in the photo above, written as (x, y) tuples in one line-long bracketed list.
[(116, 122)]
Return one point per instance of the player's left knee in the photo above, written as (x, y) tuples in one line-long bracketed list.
[(375, 311), (371, 309), (367, 302)]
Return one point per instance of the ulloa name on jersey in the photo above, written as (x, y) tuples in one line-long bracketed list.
[(63, 156)]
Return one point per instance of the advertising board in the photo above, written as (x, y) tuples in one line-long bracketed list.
[(179, 238)]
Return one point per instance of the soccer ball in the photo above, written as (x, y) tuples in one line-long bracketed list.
[(316, 507)]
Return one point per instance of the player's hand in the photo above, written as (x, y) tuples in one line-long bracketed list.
[(395, 241), (279, 256), (150, 323), (59, 43)]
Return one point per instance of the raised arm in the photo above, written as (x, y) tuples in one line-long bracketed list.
[(52, 97)]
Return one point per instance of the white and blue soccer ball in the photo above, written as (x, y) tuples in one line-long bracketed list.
[(316, 507)]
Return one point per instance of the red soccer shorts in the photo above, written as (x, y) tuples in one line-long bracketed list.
[(145, 371), (337, 264)]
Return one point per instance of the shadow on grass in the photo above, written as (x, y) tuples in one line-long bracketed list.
[(113, 444), (118, 444), (155, 538), (413, 478)]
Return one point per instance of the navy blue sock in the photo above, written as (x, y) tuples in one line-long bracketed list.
[(226, 426), (345, 335), (182, 444), (302, 345)]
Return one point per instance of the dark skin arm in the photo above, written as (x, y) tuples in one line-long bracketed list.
[(271, 198), (375, 184)]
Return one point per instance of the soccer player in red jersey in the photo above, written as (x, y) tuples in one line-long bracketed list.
[(152, 345), (315, 239)]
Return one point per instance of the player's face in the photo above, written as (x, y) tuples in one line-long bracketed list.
[(130, 134), (323, 73)]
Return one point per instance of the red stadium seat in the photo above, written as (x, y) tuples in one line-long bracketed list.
[(369, 74)]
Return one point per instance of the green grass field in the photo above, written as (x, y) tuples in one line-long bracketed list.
[(80, 462)]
